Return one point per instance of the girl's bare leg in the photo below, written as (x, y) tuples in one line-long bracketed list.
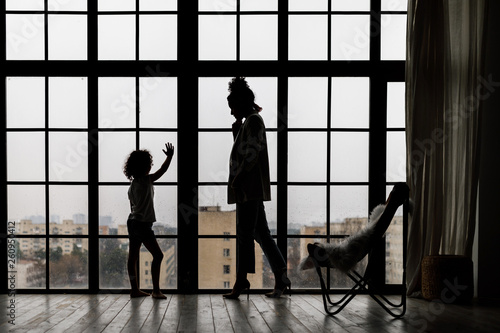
[(154, 248), (133, 256)]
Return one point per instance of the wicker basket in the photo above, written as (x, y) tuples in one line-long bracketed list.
[(448, 278)]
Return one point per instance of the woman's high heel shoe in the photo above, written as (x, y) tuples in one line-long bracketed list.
[(238, 288), (280, 288)]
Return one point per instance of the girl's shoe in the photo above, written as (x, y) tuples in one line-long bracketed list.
[(238, 288)]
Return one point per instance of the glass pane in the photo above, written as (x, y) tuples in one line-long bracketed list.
[(272, 149), (113, 255), (215, 219), (213, 110), (350, 102), (259, 37), (396, 104), (118, 5), (349, 5), (26, 217), (29, 270), (394, 252), (349, 153), (155, 142), (158, 5), (307, 154), (116, 37), (25, 102), (165, 210), (213, 156), (68, 264), (266, 96), (396, 157), (217, 263), (393, 37), (347, 203), (212, 201), (350, 37), (24, 4), (73, 5), (394, 247), (307, 102), (117, 102), (217, 268), (67, 37), (271, 208), (306, 208), (249, 5), (168, 269), (68, 102), (309, 5), (21, 165), (394, 5), (217, 37), (68, 156), (214, 163), (25, 37), (213, 208), (114, 148), (307, 39), (157, 37), (114, 208), (158, 102), (217, 5), (68, 209), (297, 250)]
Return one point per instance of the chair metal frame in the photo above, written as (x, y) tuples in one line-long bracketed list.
[(362, 283)]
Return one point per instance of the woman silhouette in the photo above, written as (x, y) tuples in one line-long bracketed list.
[(248, 187)]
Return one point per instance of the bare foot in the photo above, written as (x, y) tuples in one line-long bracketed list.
[(138, 293), (158, 295)]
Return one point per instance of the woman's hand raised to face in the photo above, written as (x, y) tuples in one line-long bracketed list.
[(236, 127)]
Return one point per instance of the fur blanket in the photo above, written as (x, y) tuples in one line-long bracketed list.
[(346, 255)]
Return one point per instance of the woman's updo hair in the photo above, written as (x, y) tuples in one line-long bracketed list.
[(241, 96)]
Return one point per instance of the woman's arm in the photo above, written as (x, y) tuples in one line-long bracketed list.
[(164, 167)]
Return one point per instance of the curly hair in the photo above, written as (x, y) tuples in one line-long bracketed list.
[(240, 94), (138, 164)]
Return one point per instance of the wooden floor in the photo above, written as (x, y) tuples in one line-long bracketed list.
[(212, 313)]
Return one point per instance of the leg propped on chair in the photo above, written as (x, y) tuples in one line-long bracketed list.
[(354, 249)]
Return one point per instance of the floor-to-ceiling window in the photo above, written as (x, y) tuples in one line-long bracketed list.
[(87, 82)]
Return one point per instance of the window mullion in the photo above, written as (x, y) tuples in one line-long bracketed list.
[(187, 149), (377, 135), (93, 149), (282, 128)]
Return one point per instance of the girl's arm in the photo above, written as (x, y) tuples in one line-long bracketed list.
[(164, 167)]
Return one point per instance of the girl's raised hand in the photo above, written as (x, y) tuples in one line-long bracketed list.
[(170, 149)]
